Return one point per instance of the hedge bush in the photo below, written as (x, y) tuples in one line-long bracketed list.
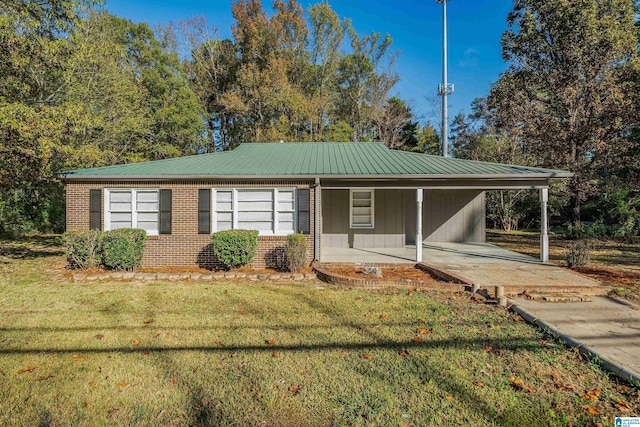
[(122, 249), (235, 248), (83, 248), (295, 251)]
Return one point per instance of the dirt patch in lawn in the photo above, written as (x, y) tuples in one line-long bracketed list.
[(388, 274), (625, 283)]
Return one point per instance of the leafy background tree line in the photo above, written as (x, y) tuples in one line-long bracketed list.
[(80, 87)]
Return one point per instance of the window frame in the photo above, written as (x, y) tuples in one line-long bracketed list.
[(134, 206), (275, 222), (372, 193)]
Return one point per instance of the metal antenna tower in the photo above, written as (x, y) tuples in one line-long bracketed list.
[(445, 89)]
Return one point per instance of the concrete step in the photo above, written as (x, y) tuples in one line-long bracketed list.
[(554, 297)]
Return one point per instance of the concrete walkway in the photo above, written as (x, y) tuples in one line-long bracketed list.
[(479, 263), (609, 326)]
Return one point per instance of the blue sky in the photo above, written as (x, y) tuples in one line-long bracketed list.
[(475, 29)]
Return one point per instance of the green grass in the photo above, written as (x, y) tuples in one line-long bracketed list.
[(186, 353)]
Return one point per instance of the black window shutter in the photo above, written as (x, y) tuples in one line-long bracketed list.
[(304, 205), (165, 211), (204, 211), (95, 209)]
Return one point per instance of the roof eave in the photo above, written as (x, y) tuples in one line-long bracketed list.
[(514, 177)]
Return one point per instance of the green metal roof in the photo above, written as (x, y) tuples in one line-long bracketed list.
[(313, 159)]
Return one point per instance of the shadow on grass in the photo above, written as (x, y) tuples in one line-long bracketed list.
[(428, 371), (31, 247), (380, 343)]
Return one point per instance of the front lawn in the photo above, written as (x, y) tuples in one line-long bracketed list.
[(246, 353)]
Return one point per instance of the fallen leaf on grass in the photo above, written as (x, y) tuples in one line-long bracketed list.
[(449, 398), (488, 348), (218, 343), (99, 336), (384, 316), (149, 320), (145, 352), (565, 387), (623, 388), (271, 341), (417, 339), (518, 318), (404, 353), (135, 343), (157, 335), (479, 384), (365, 356), (78, 358), (44, 378), (92, 383), (359, 299), (295, 389), (592, 410), (519, 384), (122, 384), (622, 406), (591, 394), (275, 354), (27, 369), (425, 331)]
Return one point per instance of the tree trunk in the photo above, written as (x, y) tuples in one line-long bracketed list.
[(575, 201)]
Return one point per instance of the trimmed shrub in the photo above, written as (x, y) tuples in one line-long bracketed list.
[(235, 248), (83, 248), (579, 253), (295, 252), (122, 249)]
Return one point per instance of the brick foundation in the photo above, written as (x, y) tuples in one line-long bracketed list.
[(184, 246)]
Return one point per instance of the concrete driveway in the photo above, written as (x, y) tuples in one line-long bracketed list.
[(609, 326), (489, 266)]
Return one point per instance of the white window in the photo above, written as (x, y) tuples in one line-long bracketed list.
[(361, 208), (271, 211), (132, 208), (224, 210)]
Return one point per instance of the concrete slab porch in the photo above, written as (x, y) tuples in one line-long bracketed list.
[(478, 263)]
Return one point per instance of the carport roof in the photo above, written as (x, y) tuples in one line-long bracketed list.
[(313, 159)]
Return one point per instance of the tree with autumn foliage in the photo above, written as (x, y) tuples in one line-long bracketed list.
[(284, 76), (570, 95)]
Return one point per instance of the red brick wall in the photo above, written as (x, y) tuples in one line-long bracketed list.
[(184, 246)]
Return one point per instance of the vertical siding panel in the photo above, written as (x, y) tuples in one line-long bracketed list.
[(410, 216), (377, 238), (341, 214)]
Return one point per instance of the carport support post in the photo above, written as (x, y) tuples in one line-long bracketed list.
[(544, 225), (419, 193)]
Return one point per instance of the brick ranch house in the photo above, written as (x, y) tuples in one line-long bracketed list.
[(340, 195)]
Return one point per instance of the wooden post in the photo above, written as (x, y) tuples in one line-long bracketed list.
[(544, 225), (419, 194)]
